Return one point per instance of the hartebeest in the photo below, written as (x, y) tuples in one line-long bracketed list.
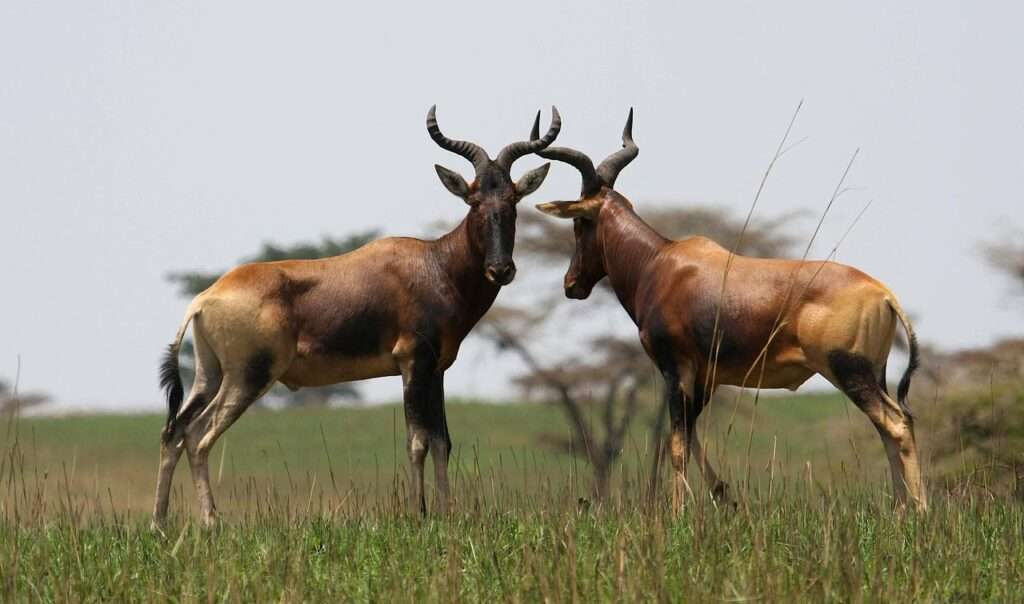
[(773, 324), (396, 306)]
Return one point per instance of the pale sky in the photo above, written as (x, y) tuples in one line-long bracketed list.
[(141, 138)]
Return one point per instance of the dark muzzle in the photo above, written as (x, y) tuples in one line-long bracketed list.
[(574, 291), (501, 273)]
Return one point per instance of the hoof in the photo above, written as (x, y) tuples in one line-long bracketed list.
[(209, 522), (720, 493), (157, 528)]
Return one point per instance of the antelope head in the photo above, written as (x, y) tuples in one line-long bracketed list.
[(493, 195), (587, 265)]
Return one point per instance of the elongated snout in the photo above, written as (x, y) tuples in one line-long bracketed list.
[(500, 273), (574, 291)]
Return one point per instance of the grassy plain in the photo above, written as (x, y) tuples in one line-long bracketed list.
[(313, 505)]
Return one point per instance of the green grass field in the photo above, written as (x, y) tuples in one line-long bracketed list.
[(314, 508)]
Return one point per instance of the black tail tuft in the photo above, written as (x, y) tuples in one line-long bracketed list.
[(914, 362), (170, 383)]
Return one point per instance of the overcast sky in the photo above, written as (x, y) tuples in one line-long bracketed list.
[(140, 138)]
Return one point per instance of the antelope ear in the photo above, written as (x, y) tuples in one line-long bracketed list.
[(578, 208), (531, 180), (453, 182)]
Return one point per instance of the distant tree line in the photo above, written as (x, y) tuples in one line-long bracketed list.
[(13, 402), (977, 424)]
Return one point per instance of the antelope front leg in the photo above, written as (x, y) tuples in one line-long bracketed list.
[(418, 379), (440, 443), (684, 409), (718, 488), (678, 448), (417, 446)]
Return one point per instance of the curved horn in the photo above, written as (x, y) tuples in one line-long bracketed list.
[(470, 151), (574, 158), (609, 169), (514, 151)]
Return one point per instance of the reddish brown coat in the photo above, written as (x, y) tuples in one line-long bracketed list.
[(708, 318)]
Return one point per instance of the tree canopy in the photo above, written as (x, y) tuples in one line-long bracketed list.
[(1007, 255)]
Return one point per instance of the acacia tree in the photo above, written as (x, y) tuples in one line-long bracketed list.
[(976, 427), (613, 369), (608, 375), (1007, 255), (982, 430), (192, 283), (15, 402)]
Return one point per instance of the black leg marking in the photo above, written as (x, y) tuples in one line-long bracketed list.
[(257, 371), (191, 408), (437, 402), (855, 375), (176, 424), (424, 414), (673, 398)]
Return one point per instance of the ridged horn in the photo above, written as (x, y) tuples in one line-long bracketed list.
[(577, 159), (471, 151), (514, 151), (609, 169)]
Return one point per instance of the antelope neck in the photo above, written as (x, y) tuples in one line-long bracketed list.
[(628, 244)]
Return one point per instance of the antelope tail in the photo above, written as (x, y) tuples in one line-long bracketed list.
[(915, 356), (170, 376)]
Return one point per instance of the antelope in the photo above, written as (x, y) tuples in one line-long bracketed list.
[(396, 306), (708, 318)]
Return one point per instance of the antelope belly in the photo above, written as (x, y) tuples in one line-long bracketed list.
[(789, 376), (323, 371)]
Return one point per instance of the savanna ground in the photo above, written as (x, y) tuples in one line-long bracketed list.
[(314, 508)]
